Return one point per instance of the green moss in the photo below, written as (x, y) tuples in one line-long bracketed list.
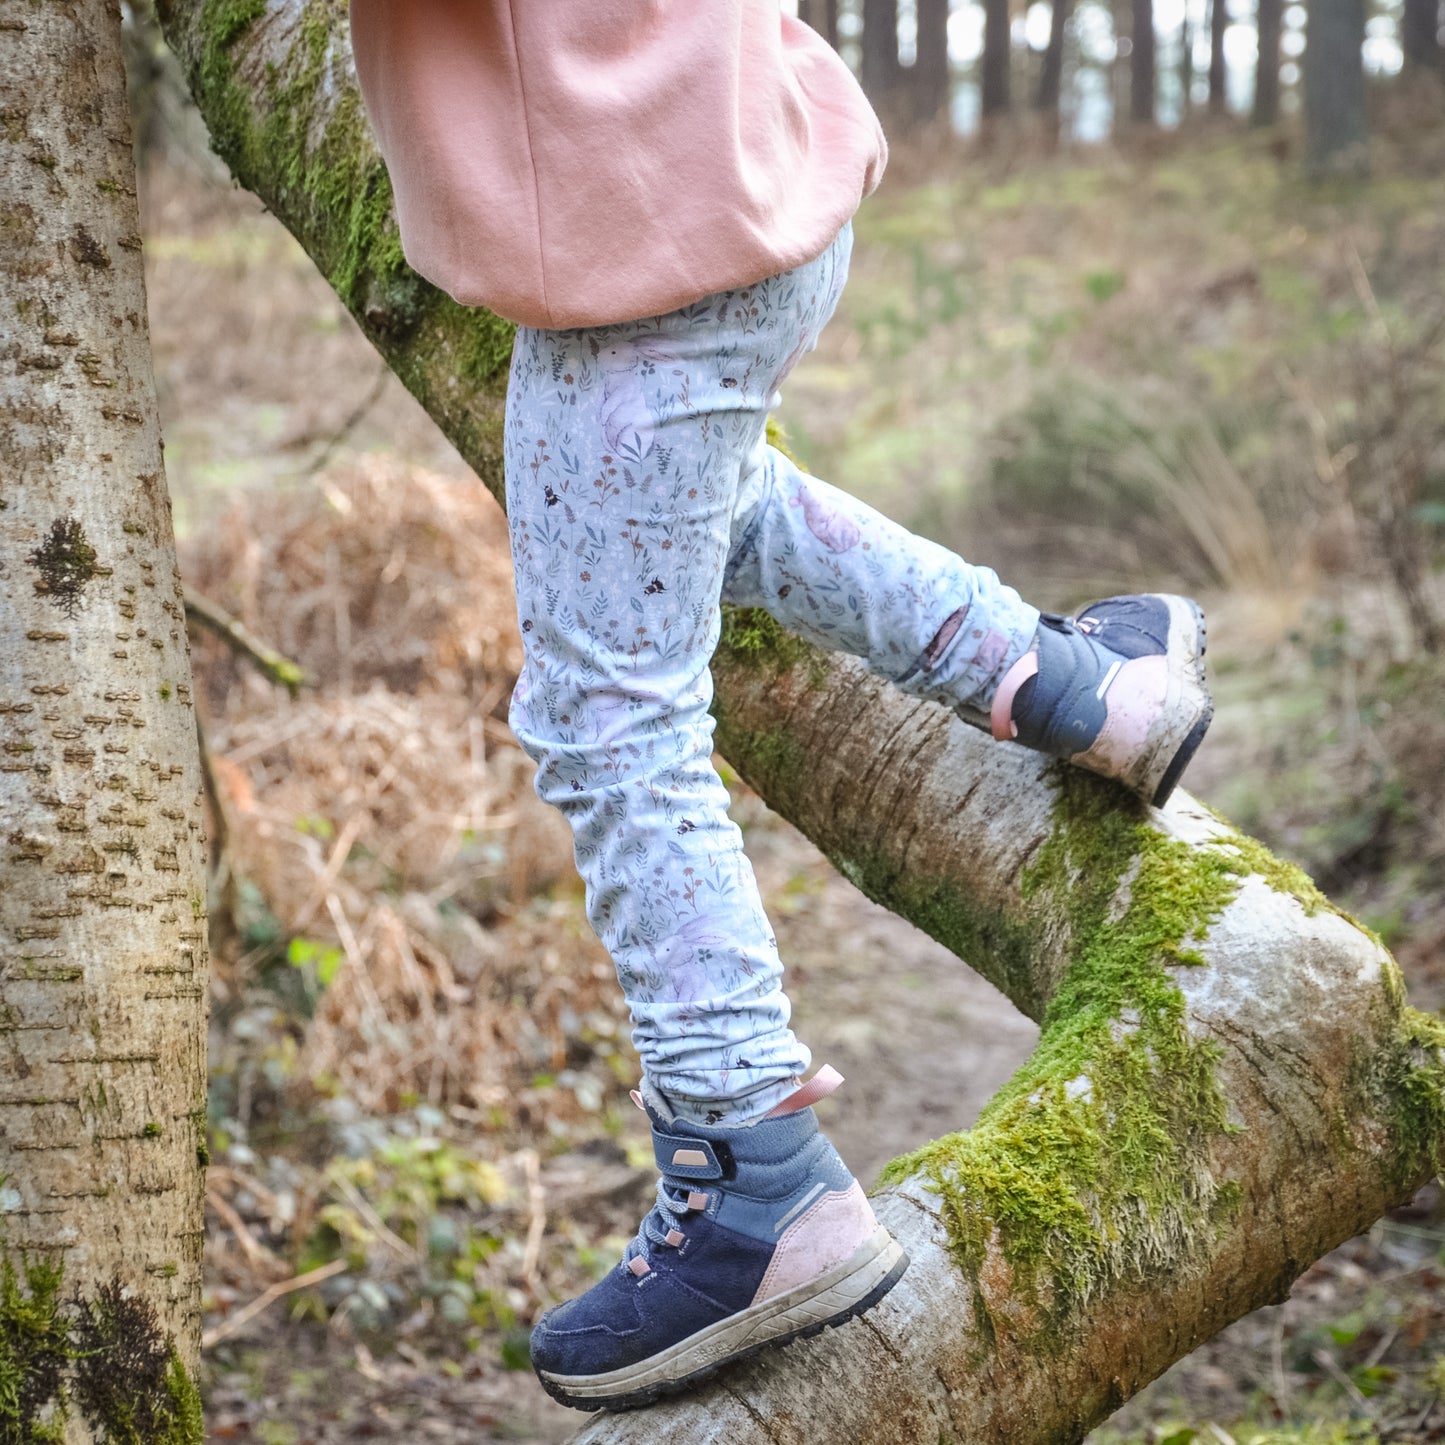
[(330, 184), (105, 1356), (34, 1352), (165, 691), (756, 637), (130, 1384), (203, 1156), (1407, 1077), (152, 1130), (1093, 1164)]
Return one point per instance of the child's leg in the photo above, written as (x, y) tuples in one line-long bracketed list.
[(849, 579), (625, 449)]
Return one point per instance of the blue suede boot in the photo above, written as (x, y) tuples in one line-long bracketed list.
[(759, 1235), (1118, 690)]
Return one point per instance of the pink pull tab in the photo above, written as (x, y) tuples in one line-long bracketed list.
[(818, 1087), (696, 1200), (674, 1237), (636, 1098), (639, 1266)]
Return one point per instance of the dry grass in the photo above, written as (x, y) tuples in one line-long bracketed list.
[(386, 816)]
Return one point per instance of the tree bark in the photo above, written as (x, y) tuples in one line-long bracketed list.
[(1228, 1082), (880, 72), (929, 88), (102, 870), (1051, 73), (1186, 64), (1269, 17), (1218, 24), (1336, 136), (1143, 81), (997, 45), (1420, 35), (822, 15)]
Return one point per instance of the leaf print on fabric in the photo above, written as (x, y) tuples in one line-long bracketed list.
[(837, 531), (640, 494)]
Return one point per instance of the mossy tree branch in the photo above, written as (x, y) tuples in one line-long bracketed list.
[(1228, 1081)]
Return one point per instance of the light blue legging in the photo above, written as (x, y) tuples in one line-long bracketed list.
[(641, 493)]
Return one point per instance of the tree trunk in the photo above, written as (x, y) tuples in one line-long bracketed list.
[(997, 45), (1218, 24), (1051, 74), (822, 15), (1228, 1082), (1336, 138), (102, 885), (1269, 16), (880, 72), (929, 84), (1420, 35), (1142, 76), (1186, 64)]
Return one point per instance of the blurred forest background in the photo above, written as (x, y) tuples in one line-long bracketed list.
[(1153, 296)]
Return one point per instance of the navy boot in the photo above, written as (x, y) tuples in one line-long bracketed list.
[(759, 1235), (1118, 690)]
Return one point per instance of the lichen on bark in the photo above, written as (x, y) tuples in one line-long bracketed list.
[(1093, 1165), (103, 1356)]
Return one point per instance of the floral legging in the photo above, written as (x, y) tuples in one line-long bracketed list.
[(641, 494)]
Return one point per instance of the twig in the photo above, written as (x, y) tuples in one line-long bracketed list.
[(1332, 1366), (1282, 1397), (217, 621), (353, 420), (256, 1252), (264, 1301), (384, 1232), (536, 1225)]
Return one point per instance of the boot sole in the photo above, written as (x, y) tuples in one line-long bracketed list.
[(1185, 715), (1190, 706), (843, 1293)]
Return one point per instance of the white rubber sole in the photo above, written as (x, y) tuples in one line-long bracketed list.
[(831, 1299), (1186, 712)]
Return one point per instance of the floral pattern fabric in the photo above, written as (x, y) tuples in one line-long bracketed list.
[(641, 494)]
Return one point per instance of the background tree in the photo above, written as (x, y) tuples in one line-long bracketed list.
[(1420, 34), (929, 87), (1051, 71), (880, 73), (1142, 74), (1268, 17), (996, 61), (1218, 24), (822, 15), (1228, 1080), (1336, 136), (1186, 62), (103, 957)]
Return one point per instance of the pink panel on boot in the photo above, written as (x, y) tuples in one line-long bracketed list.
[(1000, 715), (818, 1239), (1134, 701)]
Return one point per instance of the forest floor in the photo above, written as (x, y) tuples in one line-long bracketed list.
[(419, 1057)]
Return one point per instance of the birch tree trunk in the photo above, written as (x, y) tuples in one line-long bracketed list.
[(102, 889), (1228, 1082)]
